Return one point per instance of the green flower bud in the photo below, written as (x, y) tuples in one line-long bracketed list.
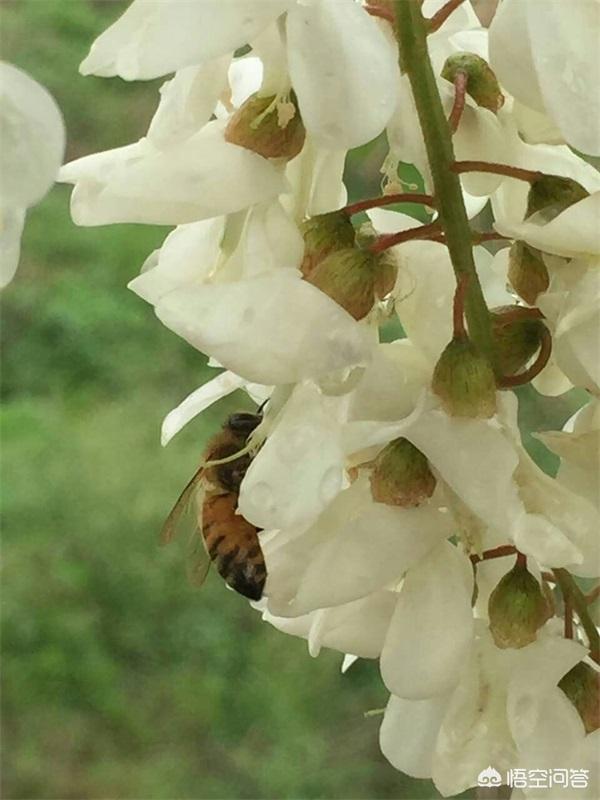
[(515, 341), (258, 125), (552, 194), (354, 278), (464, 380), (527, 272), (401, 475), (482, 84), (517, 608), (582, 686), (324, 234)]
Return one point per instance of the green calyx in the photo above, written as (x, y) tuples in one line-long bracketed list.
[(517, 608), (517, 337), (552, 194), (354, 278), (582, 686), (258, 125), (527, 272), (464, 380), (482, 84), (401, 475), (325, 234)]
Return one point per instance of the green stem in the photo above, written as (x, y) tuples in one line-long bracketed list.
[(577, 600), (411, 32)]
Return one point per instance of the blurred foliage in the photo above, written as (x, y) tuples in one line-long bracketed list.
[(118, 680)]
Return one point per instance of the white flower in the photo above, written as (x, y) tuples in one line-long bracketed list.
[(32, 132), (201, 177), (532, 52)]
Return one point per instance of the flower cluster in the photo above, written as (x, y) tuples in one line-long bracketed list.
[(402, 518)]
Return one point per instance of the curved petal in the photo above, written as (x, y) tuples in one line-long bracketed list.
[(271, 329), (568, 75), (431, 631), (409, 732), (188, 256), (32, 133), (11, 228), (344, 71), (196, 402), (153, 38), (202, 177), (299, 469), (187, 102)]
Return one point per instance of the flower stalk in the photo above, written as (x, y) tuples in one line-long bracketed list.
[(388, 200), (442, 15), (411, 32), (578, 602), (460, 96), (520, 174)]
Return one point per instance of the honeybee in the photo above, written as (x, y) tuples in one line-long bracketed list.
[(220, 534)]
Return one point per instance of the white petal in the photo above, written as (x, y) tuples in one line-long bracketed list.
[(198, 401), (271, 240), (369, 552), (431, 630), (202, 177), (270, 329), (187, 102), (573, 233), (475, 459), (11, 228), (344, 71), (299, 469), (358, 628), (541, 665), (510, 53), (32, 133), (409, 731), (153, 38), (315, 177), (568, 75), (188, 256)]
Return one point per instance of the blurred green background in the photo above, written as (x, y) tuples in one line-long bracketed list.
[(118, 680)]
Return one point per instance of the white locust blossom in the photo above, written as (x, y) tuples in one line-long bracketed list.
[(32, 136), (398, 512)]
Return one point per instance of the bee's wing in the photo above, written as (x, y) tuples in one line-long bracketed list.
[(180, 513), (197, 559)]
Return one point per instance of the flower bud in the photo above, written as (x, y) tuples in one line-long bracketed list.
[(464, 380), (517, 608), (324, 234), (527, 272), (401, 475), (258, 125), (517, 340), (582, 686), (552, 194), (482, 84), (353, 278)]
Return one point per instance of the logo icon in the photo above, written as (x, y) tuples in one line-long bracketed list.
[(489, 777)]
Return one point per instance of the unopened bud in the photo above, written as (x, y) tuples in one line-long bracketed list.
[(582, 686), (527, 272), (482, 84), (353, 278), (258, 125), (464, 380), (324, 234), (517, 337), (517, 608), (401, 475), (552, 194)]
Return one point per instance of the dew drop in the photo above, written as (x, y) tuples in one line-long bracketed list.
[(331, 483)]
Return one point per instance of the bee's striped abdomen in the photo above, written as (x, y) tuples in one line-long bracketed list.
[(232, 543)]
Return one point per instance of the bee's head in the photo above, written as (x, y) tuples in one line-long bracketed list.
[(243, 424)]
